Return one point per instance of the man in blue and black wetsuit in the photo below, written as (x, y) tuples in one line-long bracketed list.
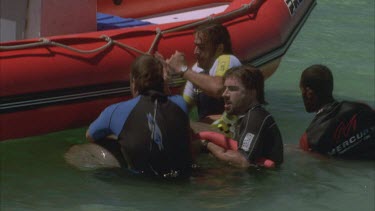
[(340, 129), (152, 129)]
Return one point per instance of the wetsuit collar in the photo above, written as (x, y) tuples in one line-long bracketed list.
[(327, 106), (155, 95), (250, 109)]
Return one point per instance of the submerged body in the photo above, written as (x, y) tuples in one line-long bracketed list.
[(90, 156)]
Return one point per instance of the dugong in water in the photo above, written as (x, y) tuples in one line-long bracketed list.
[(90, 156)]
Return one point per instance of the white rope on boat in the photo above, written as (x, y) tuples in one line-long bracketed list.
[(41, 42), (101, 48), (128, 47), (159, 33), (47, 42)]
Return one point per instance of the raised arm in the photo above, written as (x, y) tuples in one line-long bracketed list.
[(211, 85)]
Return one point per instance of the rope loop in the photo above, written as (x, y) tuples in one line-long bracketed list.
[(44, 40), (106, 38)]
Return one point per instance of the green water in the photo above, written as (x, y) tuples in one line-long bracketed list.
[(339, 34)]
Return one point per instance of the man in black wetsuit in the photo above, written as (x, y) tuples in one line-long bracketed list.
[(341, 129), (256, 131), (152, 130)]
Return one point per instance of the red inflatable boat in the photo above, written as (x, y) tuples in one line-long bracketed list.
[(60, 82)]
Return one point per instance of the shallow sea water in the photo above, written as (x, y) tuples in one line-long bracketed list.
[(340, 34)]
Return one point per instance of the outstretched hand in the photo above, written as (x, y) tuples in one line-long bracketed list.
[(176, 63)]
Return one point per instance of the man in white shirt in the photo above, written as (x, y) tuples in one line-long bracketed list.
[(204, 87)]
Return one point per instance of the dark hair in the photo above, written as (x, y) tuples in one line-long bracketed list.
[(318, 78), (250, 77), (216, 34), (147, 73)]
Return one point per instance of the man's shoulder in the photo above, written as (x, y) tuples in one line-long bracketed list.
[(124, 105), (228, 56), (355, 105), (346, 109), (223, 63), (260, 110), (229, 60), (259, 113), (177, 99), (130, 101)]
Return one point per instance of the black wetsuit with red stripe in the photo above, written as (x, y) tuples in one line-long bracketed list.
[(342, 129), (258, 136)]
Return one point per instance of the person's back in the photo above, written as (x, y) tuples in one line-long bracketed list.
[(341, 129), (155, 138)]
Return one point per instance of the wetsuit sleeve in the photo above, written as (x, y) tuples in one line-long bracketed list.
[(121, 114), (100, 128), (112, 119)]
